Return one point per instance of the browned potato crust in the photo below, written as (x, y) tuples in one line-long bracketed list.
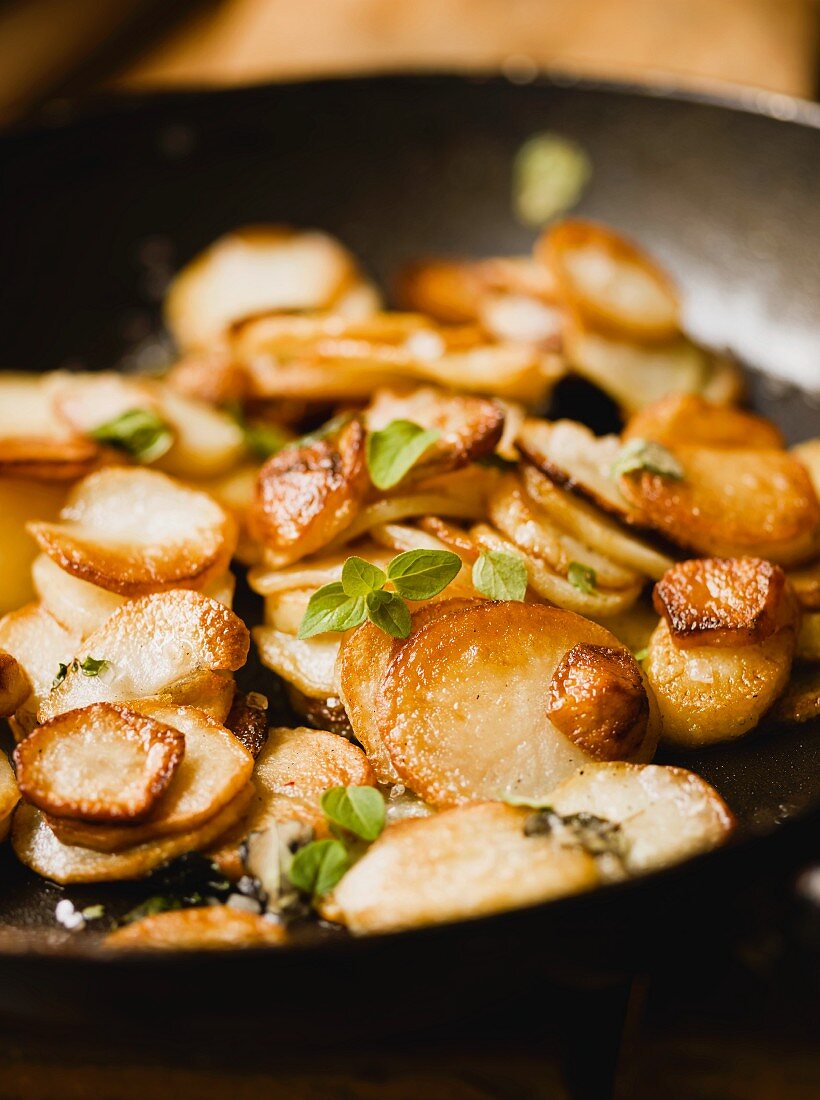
[(689, 418), (211, 927), (36, 845), (731, 502), (306, 495), (101, 763), (9, 793), (51, 459), (800, 702), (456, 291), (15, 686), (597, 699), (806, 585), (248, 721), (722, 601), (39, 645)]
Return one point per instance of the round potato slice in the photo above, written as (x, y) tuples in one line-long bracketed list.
[(213, 770), (36, 845), (149, 645), (806, 585), (731, 502), (808, 639), (15, 686), (9, 794), (133, 531), (688, 418), (464, 704), (101, 763), (306, 495), (466, 862), (800, 702), (707, 694), (609, 281), (663, 815), (308, 663), (808, 454), (213, 927), (40, 645)]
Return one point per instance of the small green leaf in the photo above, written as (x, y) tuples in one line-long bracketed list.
[(330, 608), (318, 866), (264, 440), (531, 803), (360, 578), (389, 613), (644, 454), (147, 908), (90, 666), (641, 654), (138, 432), (549, 175), (393, 450), (330, 427), (93, 912), (500, 576), (62, 672), (421, 574), (583, 578), (360, 810)]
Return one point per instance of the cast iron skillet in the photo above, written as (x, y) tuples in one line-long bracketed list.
[(100, 206)]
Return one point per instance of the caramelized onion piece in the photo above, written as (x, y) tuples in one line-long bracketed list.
[(211, 927), (100, 763), (688, 418)]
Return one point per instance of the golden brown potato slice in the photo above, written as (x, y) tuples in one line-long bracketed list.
[(260, 268), (463, 707), (149, 645), (592, 527), (9, 794), (723, 601), (454, 291), (808, 454), (451, 537), (466, 862), (306, 495), (134, 531), (609, 281), (364, 657), (15, 686), (103, 763), (39, 645), (731, 502), (663, 815), (306, 662), (292, 772), (36, 845), (688, 418), (707, 694), (214, 769), (212, 692), (808, 639), (20, 502), (315, 572), (806, 585), (211, 927), (800, 702)]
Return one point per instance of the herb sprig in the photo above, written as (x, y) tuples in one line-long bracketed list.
[(141, 433), (89, 666), (393, 450), (582, 577), (500, 576), (645, 454)]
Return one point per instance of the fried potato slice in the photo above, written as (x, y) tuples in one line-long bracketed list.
[(455, 291), (15, 686), (469, 427), (292, 772), (588, 524), (39, 645), (306, 495), (215, 767), (800, 702), (731, 502), (133, 531), (9, 794), (211, 927), (248, 721), (314, 572), (609, 281), (308, 663), (211, 692), (36, 845), (463, 706), (808, 639), (151, 644), (262, 268), (103, 763), (689, 418), (20, 502), (806, 585), (466, 862), (808, 454), (723, 601), (664, 815), (364, 656), (708, 694)]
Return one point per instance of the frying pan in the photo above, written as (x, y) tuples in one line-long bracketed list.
[(101, 205)]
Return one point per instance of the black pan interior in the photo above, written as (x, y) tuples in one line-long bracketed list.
[(101, 206)]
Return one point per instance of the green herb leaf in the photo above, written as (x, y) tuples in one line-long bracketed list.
[(360, 578), (549, 174), (62, 672), (389, 613), (421, 574), (264, 440), (318, 866), (90, 666), (360, 810), (393, 450), (93, 912), (147, 908), (641, 654), (583, 578), (330, 608), (138, 432), (644, 454), (531, 803), (500, 576)]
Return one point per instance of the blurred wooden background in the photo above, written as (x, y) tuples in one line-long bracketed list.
[(57, 47)]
